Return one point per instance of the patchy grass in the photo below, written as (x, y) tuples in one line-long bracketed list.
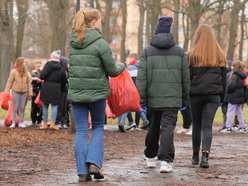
[(217, 120)]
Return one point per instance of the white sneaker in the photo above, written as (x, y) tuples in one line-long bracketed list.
[(226, 130), (12, 126), (22, 125), (151, 162), (64, 126), (182, 131), (59, 126), (235, 128), (165, 167), (189, 133)]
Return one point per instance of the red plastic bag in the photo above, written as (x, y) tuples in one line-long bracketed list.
[(108, 112), (4, 99), (124, 96), (8, 117), (37, 100)]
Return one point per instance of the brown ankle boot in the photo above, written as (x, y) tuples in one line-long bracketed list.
[(94, 170), (84, 177), (53, 126), (43, 126)]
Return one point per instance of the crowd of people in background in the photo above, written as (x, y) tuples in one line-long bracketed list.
[(167, 80)]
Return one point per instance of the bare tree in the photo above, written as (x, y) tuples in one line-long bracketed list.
[(57, 14), (176, 20), (148, 22), (234, 17), (7, 54), (218, 19), (140, 3), (155, 11), (123, 31), (22, 7), (106, 21), (186, 34), (93, 3), (242, 30)]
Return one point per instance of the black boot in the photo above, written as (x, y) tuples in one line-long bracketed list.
[(195, 158), (204, 159)]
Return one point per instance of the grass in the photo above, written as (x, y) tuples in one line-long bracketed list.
[(217, 120)]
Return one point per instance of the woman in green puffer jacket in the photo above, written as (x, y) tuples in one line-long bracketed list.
[(91, 63)]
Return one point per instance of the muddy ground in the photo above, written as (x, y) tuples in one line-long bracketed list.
[(33, 157)]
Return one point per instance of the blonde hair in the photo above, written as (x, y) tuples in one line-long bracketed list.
[(82, 21), (237, 66), (133, 55), (20, 67), (206, 51)]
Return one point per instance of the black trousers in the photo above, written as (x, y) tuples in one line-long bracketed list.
[(62, 115), (162, 127), (203, 109), (36, 111), (186, 118)]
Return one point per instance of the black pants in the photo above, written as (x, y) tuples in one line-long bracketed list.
[(62, 115), (186, 118), (36, 111), (162, 123), (203, 109)]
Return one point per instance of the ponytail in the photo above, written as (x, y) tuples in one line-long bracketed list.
[(82, 21)]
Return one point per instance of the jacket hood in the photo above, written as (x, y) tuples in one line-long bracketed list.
[(163, 40), (54, 65), (240, 74), (90, 36)]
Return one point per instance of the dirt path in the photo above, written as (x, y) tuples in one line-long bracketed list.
[(34, 157)]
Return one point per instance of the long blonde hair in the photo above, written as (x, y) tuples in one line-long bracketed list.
[(205, 51), (21, 67), (82, 21)]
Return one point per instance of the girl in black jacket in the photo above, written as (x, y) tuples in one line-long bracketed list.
[(207, 89), (236, 97), (55, 80)]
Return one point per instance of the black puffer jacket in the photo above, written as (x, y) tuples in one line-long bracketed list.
[(208, 81), (235, 88), (54, 77)]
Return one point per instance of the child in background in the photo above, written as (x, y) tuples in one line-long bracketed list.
[(236, 97)]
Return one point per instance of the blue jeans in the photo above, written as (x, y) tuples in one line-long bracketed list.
[(93, 152), (122, 118), (144, 118), (45, 112)]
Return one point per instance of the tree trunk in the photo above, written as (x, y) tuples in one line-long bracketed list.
[(218, 19), (148, 23), (7, 53), (154, 14), (106, 21), (194, 13), (141, 26), (57, 15), (242, 31), (186, 32), (22, 7), (123, 32), (176, 21), (234, 17)]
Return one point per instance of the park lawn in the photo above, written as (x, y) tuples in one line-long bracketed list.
[(217, 120)]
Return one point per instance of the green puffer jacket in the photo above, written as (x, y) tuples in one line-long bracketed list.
[(163, 79), (90, 65)]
